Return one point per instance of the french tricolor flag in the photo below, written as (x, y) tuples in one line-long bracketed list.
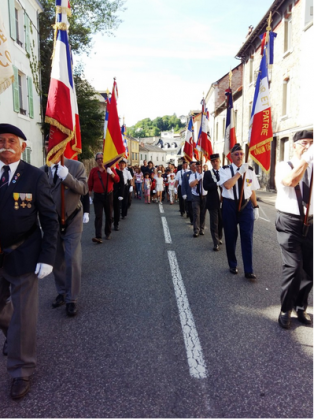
[(204, 144), (230, 134), (62, 109), (189, 141)]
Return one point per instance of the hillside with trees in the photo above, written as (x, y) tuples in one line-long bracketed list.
[(152, 128)]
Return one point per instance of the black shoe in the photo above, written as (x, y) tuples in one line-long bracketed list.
[(71, 309), (107, 237), (182, 214), (196, 235), (284, 319), (20, 387), (5, 348), (97, 240), (202, 233), (233, 270), (303, 317), (116, 228), (216, 248), (59, 301), (250, 275)]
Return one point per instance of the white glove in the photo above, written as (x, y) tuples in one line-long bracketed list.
[(62, 172), (90, 200), (85, 217), (256, 213), (154, 191), (43, 270), (131, 189), (175, 191), (184, 197), (308, 155), (200, 176), (244, 168), (120, 198), (109, 171)]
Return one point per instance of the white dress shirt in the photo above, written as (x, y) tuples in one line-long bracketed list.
[(197, 176), (250, 184), (13, 167)]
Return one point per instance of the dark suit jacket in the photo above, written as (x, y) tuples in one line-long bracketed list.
[(212, 198), (118, 188), (185, 187), (16, 223)]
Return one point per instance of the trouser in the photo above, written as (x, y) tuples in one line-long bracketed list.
[(216, 225), (189, 210), (138, 189), (18, 321), (297, 262), (171, 195), (231, 218), (199, 213), (116, 210), (181, 201), (103, 202), (68, 264), (125, 201)]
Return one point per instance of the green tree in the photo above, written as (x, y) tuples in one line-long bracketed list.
[(91, 117), (88, 18)]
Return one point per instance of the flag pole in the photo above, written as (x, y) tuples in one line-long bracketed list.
[(62, 199), (306, 216)]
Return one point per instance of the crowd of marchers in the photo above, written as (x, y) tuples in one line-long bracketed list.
[(43, 211)]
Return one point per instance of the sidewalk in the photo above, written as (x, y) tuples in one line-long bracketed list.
[(266, 197)]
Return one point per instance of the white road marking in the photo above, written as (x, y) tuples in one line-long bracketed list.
[(193, 346), (266, 220), (161, 208), (168, 239)]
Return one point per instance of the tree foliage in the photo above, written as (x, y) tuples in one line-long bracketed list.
[(153, 128)]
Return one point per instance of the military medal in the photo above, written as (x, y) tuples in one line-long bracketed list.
[(29, 198), (22, 197), (16, 197)]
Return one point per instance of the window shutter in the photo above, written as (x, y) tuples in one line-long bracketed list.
[(12, 19), (27, 33), (15, 86), (30, 97)]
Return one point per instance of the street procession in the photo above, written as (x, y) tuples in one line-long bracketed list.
[(156, 209)]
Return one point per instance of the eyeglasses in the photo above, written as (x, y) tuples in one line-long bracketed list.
[(100, 158), (305, 143), (238, 154)]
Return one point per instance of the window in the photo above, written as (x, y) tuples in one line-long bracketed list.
[(26, 156), (284, 149), (23, 93), (308, 12), (286, 97), (288, 34), (251, 74), (19, 25), (141, 156)]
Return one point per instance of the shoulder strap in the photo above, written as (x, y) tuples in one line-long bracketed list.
[(101, 180), (234, 187), (299, 195)]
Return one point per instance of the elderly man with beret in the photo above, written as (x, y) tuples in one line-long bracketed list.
[(295, 239), (26, 253), (231, 181)]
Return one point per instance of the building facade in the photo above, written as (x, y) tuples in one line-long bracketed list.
[(20, 104)]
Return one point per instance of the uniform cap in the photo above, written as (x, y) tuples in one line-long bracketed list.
[(123, 161), (304, 134), (12, 129), (214, 156), (236, 147)]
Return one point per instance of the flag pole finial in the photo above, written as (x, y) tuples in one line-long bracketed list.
[(268, 27), (230, 78)]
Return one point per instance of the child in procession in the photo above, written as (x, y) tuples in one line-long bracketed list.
[(146, 187), (159, 186)]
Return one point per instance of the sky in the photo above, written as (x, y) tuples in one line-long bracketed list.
[(166, 53)]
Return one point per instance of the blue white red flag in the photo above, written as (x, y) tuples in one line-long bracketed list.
[(62, 109), (260, 131), (203, 143), (230, 135), (125, 141), (189, 141), (269, 43)]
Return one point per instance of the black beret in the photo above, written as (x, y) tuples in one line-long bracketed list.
[(198, 163), (236, 147), (11, 129), (304, 134), (214, 156)]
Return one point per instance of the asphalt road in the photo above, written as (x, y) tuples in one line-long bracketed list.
[(164, 330)]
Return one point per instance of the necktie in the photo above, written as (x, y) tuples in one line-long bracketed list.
[(217, 175), (240, 183), (306, 186), (4, 181), (55, 177)]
